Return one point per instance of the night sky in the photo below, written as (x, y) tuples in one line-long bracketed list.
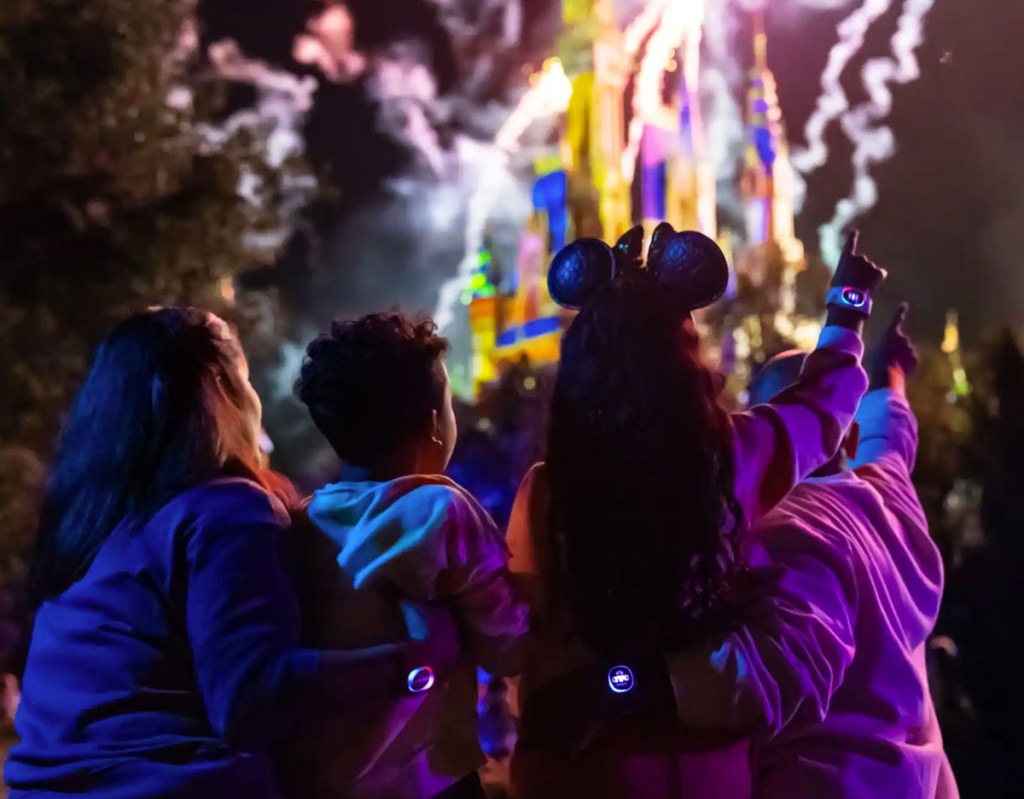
[(952, 200), (951, 212)]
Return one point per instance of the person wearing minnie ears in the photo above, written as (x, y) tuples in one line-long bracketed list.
[(395, 529), (630, 535), (830, 669)]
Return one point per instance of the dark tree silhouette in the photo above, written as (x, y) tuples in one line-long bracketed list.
[(118, 190)]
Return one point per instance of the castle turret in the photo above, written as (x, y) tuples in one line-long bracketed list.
[(599, 67), (768, 182)]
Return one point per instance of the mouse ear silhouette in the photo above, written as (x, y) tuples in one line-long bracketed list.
[(629, 251), (578, 271), (662, 233), (692, 264)]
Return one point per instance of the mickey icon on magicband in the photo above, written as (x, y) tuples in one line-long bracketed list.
[(420, 680), (621, 680)]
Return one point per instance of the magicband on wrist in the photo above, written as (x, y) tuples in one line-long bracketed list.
[(621, 679), (420, 680), (853, 299)]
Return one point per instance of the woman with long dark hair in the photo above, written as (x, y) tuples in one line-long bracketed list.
[(165, 659), (630, 536)]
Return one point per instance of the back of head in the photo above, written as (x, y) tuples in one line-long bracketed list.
[(778, 374), (165, 406), (371, 384), (640, 468)]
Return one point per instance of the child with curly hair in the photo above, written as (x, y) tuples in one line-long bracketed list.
[(395, 529)]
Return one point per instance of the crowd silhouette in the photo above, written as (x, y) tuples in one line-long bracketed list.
[(173, 652)]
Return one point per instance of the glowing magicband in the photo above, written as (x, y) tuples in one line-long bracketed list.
[(420, 680), (621, 680)]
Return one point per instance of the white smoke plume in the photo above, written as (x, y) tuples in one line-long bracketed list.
[(833, 102), (283, 100), (874, 141), (548, 95), (464, 182), (406, 90)]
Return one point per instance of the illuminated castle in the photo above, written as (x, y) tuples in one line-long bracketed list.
[(633, 151)]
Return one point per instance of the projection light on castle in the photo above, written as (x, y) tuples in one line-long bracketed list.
[(632, 149)]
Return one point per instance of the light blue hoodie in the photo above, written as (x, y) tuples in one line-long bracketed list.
[(424, 539)]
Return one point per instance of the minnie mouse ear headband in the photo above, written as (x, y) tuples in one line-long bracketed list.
[(686, 262)]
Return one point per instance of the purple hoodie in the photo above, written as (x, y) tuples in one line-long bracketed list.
[(170, 668), (829, 670)]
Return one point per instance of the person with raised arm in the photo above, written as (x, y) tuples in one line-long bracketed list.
[(629, 539), (828, 671)]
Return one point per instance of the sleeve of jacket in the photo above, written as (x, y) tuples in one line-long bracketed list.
[(780, 443), (242, 616), (793, 649), (459, 557)]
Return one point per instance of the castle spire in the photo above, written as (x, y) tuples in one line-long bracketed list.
[(760, 40), (763, 119)]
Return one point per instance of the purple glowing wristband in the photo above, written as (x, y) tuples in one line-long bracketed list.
[(420, 680), (853, 299)]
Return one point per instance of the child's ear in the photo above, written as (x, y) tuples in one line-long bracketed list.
[(435, 428)]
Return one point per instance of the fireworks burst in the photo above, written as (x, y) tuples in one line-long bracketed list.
[(548, 95)]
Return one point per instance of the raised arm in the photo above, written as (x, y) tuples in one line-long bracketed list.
[(242, 619), (888, 428), (888, 431), (780, 443), (785, 665)]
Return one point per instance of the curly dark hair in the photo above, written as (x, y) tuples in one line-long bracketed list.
[(370, 383), (644, 520)]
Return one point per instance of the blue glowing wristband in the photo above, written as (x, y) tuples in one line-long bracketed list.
[(420, 680), (621, 679), (853, 299)]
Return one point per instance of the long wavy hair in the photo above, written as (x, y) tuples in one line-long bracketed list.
[(165, 406), (644, 522)]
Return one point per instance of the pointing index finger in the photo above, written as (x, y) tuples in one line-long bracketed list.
[(900, 316), (851, 244)]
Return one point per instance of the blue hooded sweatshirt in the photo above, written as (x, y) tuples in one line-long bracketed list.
[(372, 545)]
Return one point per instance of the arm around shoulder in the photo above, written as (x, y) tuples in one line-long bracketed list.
[(243, 624)]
